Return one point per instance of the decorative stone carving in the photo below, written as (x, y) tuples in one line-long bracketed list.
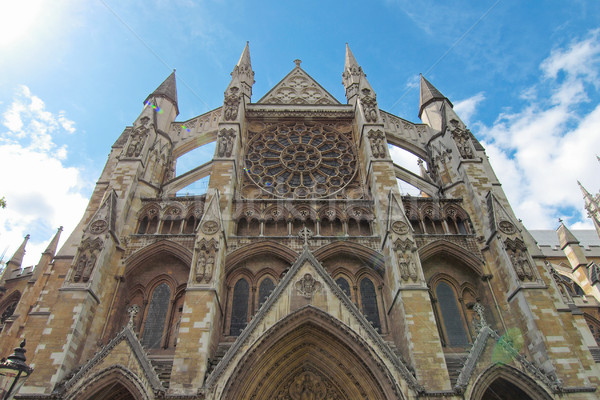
[(308, 386), (307, 286), (210, 227), (298, 88), (300, 160), (517, 253), (406, 262), (462, 137), (207, 252), (399, 227), (507, 227), (305, 234), (225, 140), (231, 104), (369, 104), (86, 259), (377, 139), (138, 139), (99, 226), (133, 310)]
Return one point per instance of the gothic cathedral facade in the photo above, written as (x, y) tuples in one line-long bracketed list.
[(302, 273)]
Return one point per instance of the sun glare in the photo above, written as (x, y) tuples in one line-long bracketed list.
[(18, 19)]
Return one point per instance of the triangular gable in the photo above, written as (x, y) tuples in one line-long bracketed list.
[(307, 284), (298, 88), (500, 219), (397, 220), (123, 347), (106, 216), (506, 354)]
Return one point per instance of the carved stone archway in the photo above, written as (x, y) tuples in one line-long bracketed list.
[(503, 382), (308, 357), (114, 383)]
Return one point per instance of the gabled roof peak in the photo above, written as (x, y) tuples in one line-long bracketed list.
[(298, 87)]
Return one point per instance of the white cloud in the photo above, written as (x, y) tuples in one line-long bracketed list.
[(466, 108), (42, 193), (540, 151)]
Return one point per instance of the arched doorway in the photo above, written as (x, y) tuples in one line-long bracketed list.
[(503, 382), (309, 356), (501, 389), (113, 383), (113, 391)]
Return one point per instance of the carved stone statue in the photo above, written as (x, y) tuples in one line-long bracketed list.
[(200, 266), (225, 142), (377, 139), (231, 105)]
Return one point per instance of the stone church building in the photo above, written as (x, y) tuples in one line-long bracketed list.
[(303, 273)]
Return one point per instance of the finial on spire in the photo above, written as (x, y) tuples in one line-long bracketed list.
[(297, 62)]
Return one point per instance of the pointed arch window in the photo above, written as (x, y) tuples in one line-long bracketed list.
[(239, 307), (344, 285), (452, 319), (155, 319), (369, 303), (264, 290)]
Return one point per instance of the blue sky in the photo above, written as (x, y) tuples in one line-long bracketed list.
[(73, 74)]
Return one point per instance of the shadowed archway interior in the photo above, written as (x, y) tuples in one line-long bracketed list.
[(112, 391)]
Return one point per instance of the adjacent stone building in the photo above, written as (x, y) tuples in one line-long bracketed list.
[(303, 273)]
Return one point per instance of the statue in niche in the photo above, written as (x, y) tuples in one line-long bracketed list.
[(369, 106), (210, 262), (377, 139), (525, 264), (231, 104), (89, 266), (408, 270), (205, 264), (80, 266), (225, 142), (517, 265), (200, 266), (462, 137)]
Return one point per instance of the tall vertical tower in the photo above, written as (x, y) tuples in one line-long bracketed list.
[(303, 272)]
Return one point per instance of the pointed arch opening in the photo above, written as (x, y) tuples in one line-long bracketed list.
[(309, 355), (503, 382), (113, 383)]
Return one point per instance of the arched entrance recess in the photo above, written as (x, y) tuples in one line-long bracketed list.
[(311, 355), (113, 383), (507, 383)]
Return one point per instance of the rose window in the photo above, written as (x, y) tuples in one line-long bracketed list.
[(297, 160)]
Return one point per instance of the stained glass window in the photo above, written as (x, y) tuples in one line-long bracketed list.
[(264, 290), (157, 314), (453, 322), (369, 303), (239, 307), (343, 284)]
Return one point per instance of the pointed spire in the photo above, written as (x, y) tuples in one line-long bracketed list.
[(592, 207), (245, 57), (565, 236), (17, 258), (242, 76), (429, 94), (350, 60), (51, 249), (167, 89), (352, 74)]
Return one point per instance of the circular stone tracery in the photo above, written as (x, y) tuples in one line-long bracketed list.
[(299, 160)]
